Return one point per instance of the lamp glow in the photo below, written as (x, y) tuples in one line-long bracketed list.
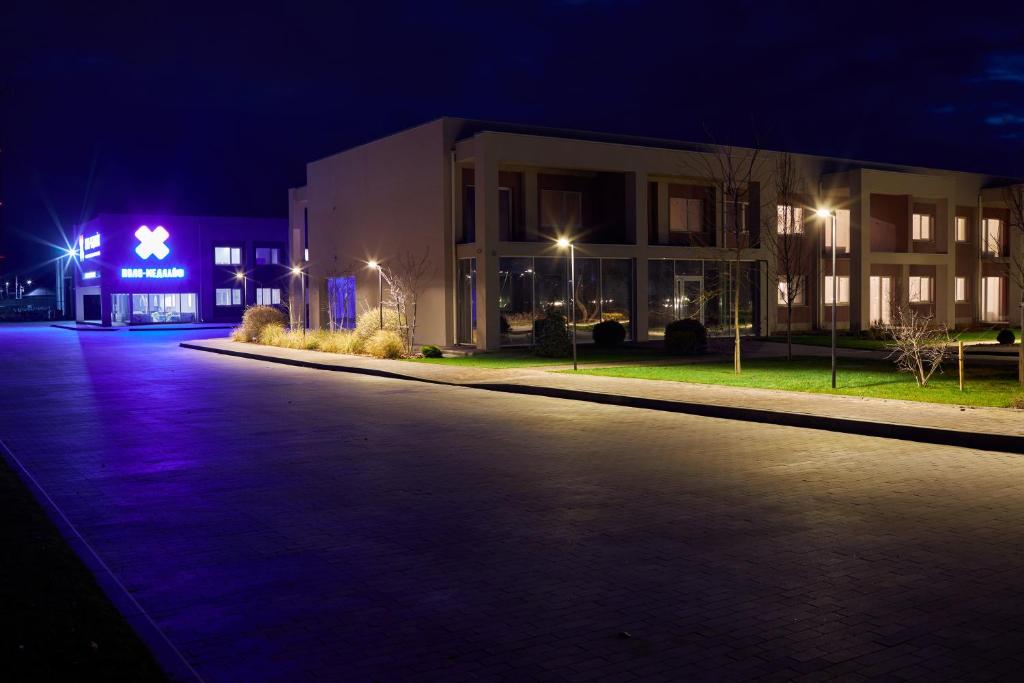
[(823, 213), (296, 270), (372, 265), (562, 242)]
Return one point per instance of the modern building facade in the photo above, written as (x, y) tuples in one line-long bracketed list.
[(486, 201), (134, 269)]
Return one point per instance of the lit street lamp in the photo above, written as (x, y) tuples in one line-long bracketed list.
[(245, 288), (562, 244), (828, 213), (374, 265), (297, 270)]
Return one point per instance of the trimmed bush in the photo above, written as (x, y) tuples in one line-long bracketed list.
[(385, 344), (553, 340), (686, 337), (368, 323), (431, 351), (1005, 337), (271, 334), (256, 318), (609, 333)]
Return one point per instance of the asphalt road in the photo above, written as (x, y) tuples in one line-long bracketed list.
[(280, 524)]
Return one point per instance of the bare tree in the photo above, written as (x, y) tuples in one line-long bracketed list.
[(733, 171), (919, 346), (784, 235), (407, 276), (1013, 196)]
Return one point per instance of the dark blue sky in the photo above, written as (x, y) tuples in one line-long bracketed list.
[(159, 107)]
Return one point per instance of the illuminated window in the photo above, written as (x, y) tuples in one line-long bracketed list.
[(922, 227), (842, 232), (797, 292), (268, 296), (992, 236), (791, 216), (844, 290), (685, 215), (961, 229), (961, 289), (229, 297), (266, 256), (920, 289), (227, 256)]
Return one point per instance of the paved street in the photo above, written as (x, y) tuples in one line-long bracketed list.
[(280, 524)]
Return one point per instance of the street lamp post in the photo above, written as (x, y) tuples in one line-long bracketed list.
[(828, 213), (374, 265), (563, 243), (245, 288), (297, 270)]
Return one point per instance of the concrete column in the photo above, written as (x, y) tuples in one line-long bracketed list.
[(640, 220), (530, 205), (945, 293), (860, 253), (488, 326), (662, 212)]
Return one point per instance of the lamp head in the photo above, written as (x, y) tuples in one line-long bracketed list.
[(823, 213), (239, 276), (372, 265), (562, 242), (72, 252), (296, 270)]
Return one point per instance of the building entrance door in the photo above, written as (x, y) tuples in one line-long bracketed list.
[(689, 297)]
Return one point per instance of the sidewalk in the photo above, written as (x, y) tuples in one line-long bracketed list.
[(986, 428)]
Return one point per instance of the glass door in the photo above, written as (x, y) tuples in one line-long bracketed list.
[(689, 297), (992, 299), (120, 309)]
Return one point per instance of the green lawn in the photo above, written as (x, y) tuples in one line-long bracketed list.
[(524, 359), (985, 386), (845, 341)]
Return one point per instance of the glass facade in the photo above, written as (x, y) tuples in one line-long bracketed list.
[(465, 302), (702, 290), (140, 309), (529, 287)]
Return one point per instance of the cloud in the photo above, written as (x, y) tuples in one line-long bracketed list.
[(942, 109), (1005, 120), (1006, 67)]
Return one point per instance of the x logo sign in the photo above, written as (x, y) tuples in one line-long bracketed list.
[(151, 242)]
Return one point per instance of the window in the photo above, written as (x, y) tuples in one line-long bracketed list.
[(267, 296), (844, 290), (685, 215), (992, 233), (791, 215), (732, 221), (961, 289), (922, 227), (561, 210), (797, 292), (920, 289), (227, 256), (842, 232), (267, 255), (961, 229), (229, 297)]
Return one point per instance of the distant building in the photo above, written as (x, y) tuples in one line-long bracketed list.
[(149, 269), (487, 200)]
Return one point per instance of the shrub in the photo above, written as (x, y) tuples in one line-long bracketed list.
[(368, 323), (553, 340), (337, 341), (1005, 337), (609, 333), (238, 334), (272, 334), (506, 327), (431, 351), (385, 344), (685, 337), (256, 318)]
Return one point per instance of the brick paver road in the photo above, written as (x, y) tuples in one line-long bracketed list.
[(283, 524)]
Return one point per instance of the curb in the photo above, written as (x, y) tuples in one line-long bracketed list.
[(1004, 443), (87, 328), (167, 656)]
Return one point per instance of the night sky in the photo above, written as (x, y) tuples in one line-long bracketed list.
[(158, 107)]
